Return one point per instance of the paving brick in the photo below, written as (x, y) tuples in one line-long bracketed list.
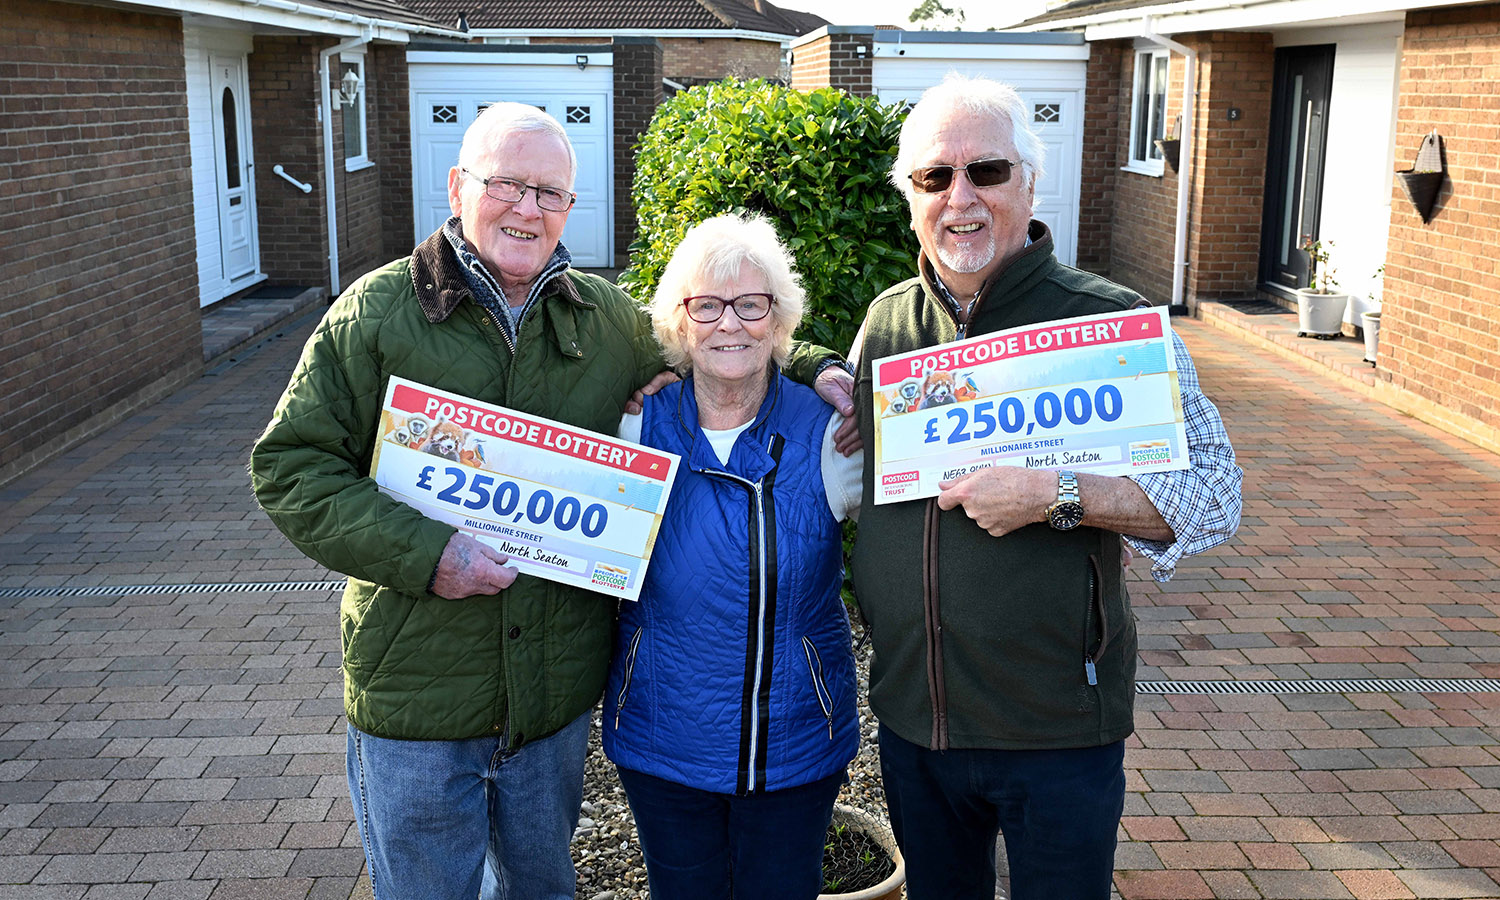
[(1367, 884), (1264, 855), (1153, 828), (90, 868), (1312, 885), (1162, 886), (1199, 855), (1445, 883)]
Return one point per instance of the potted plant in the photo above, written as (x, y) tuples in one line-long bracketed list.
[(860, 859), (1320, 305), (1171, 145), (1369, 318)]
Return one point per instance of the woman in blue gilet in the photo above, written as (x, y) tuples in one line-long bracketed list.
[(730, 710)]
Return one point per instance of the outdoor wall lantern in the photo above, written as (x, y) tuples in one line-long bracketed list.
[(349, 86), (583, 61)]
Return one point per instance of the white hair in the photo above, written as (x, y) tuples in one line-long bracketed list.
[(981, 96), (711, 254), (501, 119)]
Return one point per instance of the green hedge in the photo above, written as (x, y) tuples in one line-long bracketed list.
[(814, 163)]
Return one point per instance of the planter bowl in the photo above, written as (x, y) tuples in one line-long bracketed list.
[(1370, 322), (1320, 315), (859, 820)]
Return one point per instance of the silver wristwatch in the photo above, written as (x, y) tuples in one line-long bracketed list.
[(1067, 512)]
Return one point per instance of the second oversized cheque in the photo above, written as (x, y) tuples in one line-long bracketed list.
[(563, 503), (1093, 394)]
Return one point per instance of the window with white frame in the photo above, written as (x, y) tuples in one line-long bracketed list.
[(352, 95), (1148, 109)]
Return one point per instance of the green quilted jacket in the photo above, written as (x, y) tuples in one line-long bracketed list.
[(417, 666)]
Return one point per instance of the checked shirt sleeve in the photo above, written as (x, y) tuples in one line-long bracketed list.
[(1200, 503)]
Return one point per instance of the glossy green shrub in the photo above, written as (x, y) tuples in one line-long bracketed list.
[(814, 163)]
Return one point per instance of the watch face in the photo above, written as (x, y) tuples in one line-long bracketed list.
[(1065, 515)]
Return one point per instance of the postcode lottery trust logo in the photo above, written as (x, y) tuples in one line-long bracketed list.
[(610, 576), (898, 484), (1150, 453)]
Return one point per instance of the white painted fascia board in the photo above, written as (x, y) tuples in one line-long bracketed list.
[(510, 58), (1217, 15), (1049, 52), (633, 32), (296, 17)]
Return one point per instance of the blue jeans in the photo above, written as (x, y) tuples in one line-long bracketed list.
[(455, 820), (1058, 810), (700, 845)]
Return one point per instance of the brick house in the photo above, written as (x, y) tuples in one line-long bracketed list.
[(182, 152), (702, 40), (1303, 112), (138, 184)]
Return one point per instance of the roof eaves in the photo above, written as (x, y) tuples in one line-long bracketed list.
[(308, 15)]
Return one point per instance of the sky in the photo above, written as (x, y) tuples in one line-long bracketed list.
[(979, 14)]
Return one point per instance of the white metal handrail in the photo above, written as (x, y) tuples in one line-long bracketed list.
[(304, 188)]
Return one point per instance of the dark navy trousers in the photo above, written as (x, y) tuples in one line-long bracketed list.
[(700, 845), (1058, 810)]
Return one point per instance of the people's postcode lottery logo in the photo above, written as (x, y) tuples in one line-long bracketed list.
[(1150, 453), (610, 576)]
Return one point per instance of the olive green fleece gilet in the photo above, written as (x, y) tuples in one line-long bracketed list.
[(980, 642)]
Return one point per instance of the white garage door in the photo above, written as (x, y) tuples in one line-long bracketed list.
[(1053, 91), (449, 89)]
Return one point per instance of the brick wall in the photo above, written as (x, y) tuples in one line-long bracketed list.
[(830, 61), (637, 94), (1235, 70), (357, 193), (373, 204), (390, 147), (1101, 143), (99, 282), (697, 60), (1145, 209), (293, 230), (1440, 321), (1228, 171)]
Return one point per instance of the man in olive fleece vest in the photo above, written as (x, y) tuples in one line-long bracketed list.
[(1004, 666)]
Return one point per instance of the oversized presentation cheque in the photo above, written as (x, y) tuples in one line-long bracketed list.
[(563, 503), (1094, 394)]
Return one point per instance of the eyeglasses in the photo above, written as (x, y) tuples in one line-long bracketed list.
[(706, 308), (511, 191), (981, 172)]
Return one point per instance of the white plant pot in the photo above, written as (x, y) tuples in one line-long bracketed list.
[(1370, 322), (1320, 315)]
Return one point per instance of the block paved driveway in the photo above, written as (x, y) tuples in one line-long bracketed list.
[(187, 742)]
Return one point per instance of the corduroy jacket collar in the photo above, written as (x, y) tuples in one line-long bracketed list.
[(440, 284)]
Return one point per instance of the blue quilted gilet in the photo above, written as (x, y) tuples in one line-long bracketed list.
[(734, 672)]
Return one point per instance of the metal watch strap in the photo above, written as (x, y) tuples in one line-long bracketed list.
[(1067, 487)]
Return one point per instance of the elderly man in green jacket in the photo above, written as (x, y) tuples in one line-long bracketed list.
[(467, 686)]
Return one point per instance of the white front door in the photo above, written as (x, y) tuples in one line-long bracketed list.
[(229, 102), (445, 99)]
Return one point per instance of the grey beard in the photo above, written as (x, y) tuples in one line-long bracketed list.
[(969, 261)]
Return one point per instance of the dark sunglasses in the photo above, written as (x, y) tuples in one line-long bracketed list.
[(981, 172)]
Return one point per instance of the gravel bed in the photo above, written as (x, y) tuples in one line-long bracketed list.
[(605, 848)]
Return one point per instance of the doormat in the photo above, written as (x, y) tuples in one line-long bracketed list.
[(1257, 307)]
